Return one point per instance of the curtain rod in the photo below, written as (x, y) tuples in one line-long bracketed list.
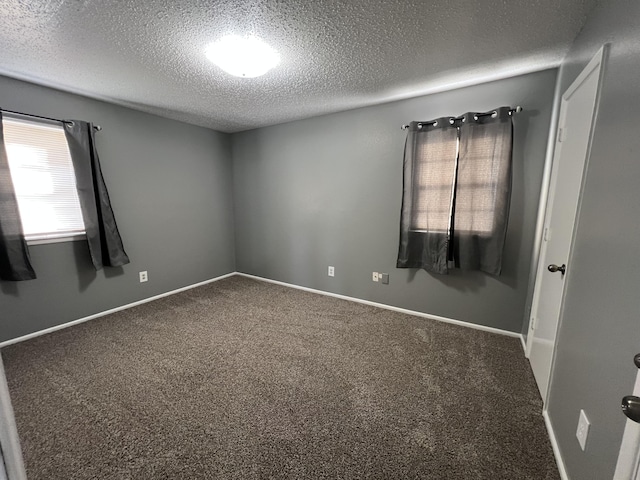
[(517, 109), (96, 127)]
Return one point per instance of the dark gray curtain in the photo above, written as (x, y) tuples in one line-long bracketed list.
[(457, 188), (105, 244), (429, 172), (483, 191), (14, 256)]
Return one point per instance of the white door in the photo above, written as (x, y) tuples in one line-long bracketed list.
[(628, 467), (572, 149)]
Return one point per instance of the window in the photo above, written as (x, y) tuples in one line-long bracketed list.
[(43, 179), (435, 179), (456, 192)]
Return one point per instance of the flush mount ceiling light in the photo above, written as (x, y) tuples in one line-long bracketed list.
[(246, 57)]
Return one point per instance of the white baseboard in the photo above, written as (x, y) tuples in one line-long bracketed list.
[(107, 312), (389, 307), (263, 279), (554, 445), (524, 344)]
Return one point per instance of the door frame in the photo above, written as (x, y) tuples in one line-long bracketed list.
[(596, 62), (628, 466), (9, 441)]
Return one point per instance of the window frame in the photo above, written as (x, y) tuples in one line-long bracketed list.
[(50, 237)]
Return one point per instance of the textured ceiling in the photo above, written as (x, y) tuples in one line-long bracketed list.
[(336, 54)]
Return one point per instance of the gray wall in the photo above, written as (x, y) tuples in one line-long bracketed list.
[(600, 328), (170, 187), (327, 191)]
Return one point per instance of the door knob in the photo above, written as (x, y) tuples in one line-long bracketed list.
[(553, 268), (631, 407), (636, 360)]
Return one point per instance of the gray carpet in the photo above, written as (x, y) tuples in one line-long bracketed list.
[(243, 379)]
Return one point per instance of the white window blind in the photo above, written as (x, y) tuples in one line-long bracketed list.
[(434, 173), (43, 178), (478, 193)]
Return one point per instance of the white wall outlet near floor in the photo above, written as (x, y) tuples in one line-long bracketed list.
[(143, 276), (332, 272), (583, 430), (375, 277)]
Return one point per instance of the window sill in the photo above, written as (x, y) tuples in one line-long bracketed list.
[(67, 237), (458, 232)]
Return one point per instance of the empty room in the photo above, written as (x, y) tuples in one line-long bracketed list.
[(340, 239)]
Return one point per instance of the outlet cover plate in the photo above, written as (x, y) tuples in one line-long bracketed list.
[(331, 271), (583, 430), (143, 276), (375, 276)]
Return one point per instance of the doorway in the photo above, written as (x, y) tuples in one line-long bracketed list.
[(573, 140)]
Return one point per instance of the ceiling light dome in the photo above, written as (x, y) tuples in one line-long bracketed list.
[(246, 57)]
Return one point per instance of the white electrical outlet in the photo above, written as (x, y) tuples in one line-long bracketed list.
[(583, 430), (375, 277), (332, 272), (143, 276)]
